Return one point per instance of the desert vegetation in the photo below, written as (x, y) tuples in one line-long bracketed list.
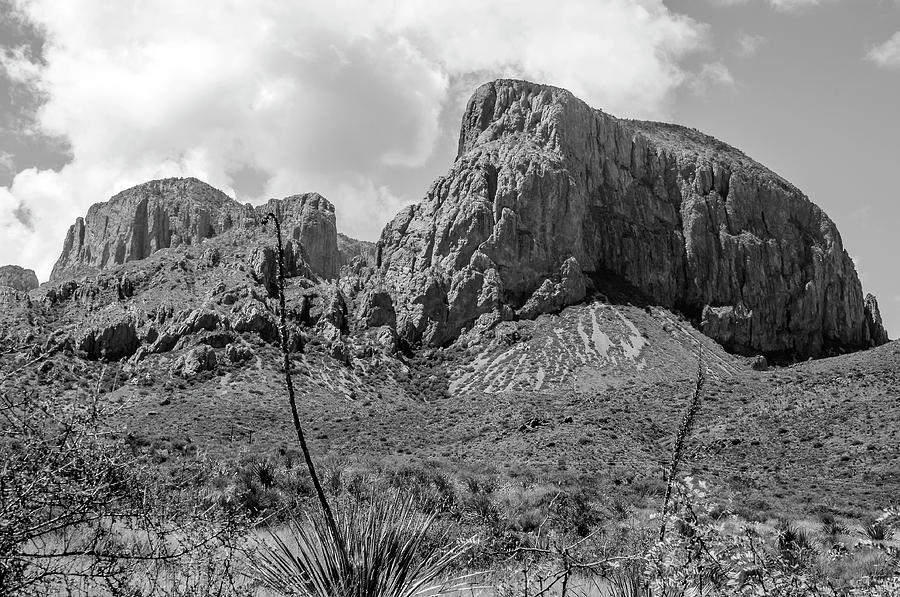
[(88, 509)]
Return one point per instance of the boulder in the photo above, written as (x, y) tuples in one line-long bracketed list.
[(553, 296), (760, 363), (198, 359), (237, 353)]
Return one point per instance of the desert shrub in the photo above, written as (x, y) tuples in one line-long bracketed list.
[(575, 512), (432, 489), (795, 545), (877, 530), (380, 548), (81, 512), (830, 526)]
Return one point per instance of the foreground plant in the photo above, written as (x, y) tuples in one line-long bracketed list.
[(289, 384), (382, 549)]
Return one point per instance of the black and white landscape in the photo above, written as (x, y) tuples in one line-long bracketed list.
[(398, 299)]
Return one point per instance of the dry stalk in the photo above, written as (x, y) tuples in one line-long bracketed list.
[(687, 422), (323, 501)]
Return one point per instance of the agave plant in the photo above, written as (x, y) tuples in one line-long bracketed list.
[(381, 549)]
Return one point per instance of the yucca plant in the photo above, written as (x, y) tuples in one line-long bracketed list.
[(877, 530), (384, 551)]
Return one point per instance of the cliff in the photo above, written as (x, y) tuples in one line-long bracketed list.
[(173, 212), (545, 190)]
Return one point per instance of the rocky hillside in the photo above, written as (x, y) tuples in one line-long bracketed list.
[(548, 195), (18, 278)]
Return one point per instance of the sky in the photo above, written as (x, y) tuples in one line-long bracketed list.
[(361, 100)]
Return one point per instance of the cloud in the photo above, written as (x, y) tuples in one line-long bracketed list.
[(749, 44), (782, 5), (887, 54), (271, 98), (711, 74), (794, 4)]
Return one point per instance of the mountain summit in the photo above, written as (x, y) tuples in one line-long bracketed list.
[(548, 196)]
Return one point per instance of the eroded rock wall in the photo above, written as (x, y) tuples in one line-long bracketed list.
[(543, 180), (168, 213)]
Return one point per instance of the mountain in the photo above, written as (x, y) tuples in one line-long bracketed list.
[(163, 214), (546, 191), (543, 307), (18, 278)]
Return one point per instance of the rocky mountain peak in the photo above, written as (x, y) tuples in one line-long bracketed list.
[(309, 218), (18, 278), (545, 186), (172, 212)]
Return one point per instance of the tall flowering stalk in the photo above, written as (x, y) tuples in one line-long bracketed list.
[(687, 422), (323, 501)]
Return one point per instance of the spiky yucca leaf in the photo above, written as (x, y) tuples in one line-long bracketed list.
[(381, 551)]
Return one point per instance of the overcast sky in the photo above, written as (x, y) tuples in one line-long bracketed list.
[(361, 100)]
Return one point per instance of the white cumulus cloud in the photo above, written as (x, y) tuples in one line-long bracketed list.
[(886, 54), (336, 97)]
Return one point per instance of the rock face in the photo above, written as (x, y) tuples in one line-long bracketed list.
[(351, 249), (542, 182), (873, 321), (167, 213), (18, 278), (112, 341), (141, 220), (309, 219)]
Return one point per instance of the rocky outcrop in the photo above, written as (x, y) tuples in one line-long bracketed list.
[(690, 222), (198, 359), (309, 219), (351, 249), (146, 218), (113, 340), (553, 296), (18, 278), (169, 213), (873, 320), (264, 264), (376, 309), (253, 317)]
